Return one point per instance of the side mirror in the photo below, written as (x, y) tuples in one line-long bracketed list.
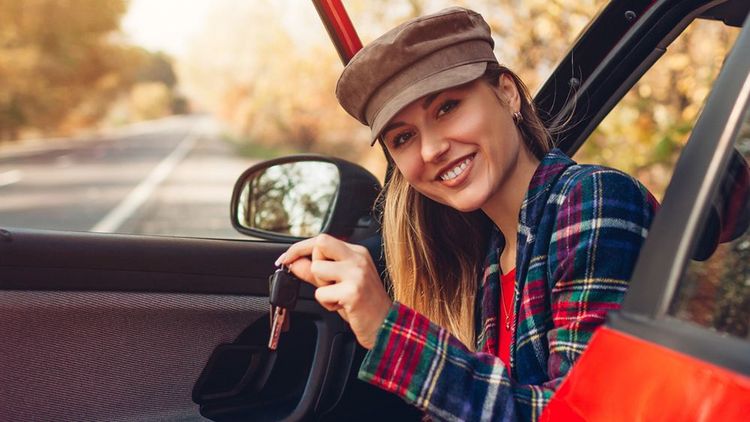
[(300, 196)]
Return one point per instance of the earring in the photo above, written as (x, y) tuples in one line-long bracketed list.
[(517, 117)]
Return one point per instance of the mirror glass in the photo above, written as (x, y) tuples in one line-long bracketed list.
[(291, 199)]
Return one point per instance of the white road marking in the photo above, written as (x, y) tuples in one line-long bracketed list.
[(10, 177), (112, 221)]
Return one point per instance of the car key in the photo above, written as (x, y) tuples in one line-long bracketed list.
[(283, 289)]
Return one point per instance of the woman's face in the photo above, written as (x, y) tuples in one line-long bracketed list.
[(458, 146)]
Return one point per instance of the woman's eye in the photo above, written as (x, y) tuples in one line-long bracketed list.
[(446, 107), (401, 138)]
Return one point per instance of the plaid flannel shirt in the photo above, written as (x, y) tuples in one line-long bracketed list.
[(580, 231)]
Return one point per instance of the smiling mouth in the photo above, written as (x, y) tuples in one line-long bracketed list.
[(457, 169)]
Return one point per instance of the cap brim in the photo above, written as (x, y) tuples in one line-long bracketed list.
[(448, 78)]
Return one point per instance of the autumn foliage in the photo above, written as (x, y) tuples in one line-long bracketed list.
[(63, 64), (268, 69), (275, 88)]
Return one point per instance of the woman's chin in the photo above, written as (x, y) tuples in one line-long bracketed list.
[(466, 208), (466, 204), (462, 201)]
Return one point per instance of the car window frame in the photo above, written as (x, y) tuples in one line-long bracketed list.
[(612, 53), (666, 253)]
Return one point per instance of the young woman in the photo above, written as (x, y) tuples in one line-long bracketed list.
[(504, 255)]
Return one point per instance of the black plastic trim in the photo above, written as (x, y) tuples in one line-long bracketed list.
[(698, 172), (607, 59), (731, 13), (274, 399), (73, 261)]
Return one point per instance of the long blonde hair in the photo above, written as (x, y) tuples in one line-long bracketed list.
[(434, 253)]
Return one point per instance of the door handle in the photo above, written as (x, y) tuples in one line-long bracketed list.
[(302, 378)]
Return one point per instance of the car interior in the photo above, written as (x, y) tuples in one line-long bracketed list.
[(127, 327)]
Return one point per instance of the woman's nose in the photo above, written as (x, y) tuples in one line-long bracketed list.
[(434, 147)]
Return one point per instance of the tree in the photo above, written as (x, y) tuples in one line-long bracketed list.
[(273, 92), (156, 67), (58, 58)]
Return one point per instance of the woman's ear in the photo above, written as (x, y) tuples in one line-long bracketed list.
[(507, 91)]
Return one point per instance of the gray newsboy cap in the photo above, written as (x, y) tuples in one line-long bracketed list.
[(419, 57)]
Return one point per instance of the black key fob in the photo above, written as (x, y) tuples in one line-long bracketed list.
[(283, 289)]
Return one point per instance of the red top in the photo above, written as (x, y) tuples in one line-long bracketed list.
[(507, 282)]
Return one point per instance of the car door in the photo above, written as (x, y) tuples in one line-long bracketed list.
[(680, 347), (126, 327)]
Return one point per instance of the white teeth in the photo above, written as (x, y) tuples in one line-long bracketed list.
[(456, 171)]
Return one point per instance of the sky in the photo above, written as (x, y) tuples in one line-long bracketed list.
[(171, 25), (165, 25)]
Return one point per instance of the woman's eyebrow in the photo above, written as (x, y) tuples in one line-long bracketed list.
[(429, 99), (390, 127)]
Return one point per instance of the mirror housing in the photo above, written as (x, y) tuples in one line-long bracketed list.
[(326, 194)]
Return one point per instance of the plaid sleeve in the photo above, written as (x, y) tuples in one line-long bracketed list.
[(432, 370)]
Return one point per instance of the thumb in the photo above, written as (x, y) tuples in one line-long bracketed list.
[(301, 269), (329, 297)]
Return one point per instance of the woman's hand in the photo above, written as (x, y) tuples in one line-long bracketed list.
[(346, 280)]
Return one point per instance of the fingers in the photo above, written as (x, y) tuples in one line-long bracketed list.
[(297, 250), (331, 296), (328, 272), (301, 268), (317, 251), (317, 273), (328, 297), (319, 247), (303, 257), (346, 279), (322, 273)]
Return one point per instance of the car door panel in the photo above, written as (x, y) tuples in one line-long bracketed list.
[(122, 327), (111, 327), (36, 259), (75, 355)]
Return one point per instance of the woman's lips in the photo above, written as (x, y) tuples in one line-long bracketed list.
[(457, 172)]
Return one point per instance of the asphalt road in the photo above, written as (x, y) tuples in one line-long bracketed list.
[(170, 177)]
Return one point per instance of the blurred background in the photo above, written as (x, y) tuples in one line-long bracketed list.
[(138, 116)]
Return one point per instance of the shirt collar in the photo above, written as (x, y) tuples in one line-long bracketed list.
[(545, 176), (549, 170)]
